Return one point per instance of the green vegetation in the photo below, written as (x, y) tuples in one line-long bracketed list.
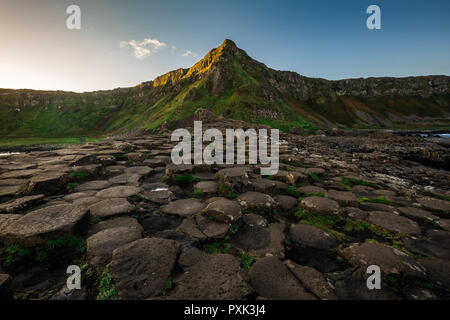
[(183, 179), (226, 192), (246, 260), (54, 253), (71, 186), (80, 174), (15, 142), (168, 286), (379, 199), (313, 177), (107, 290), (349, 183), (198, 193), (293, 191), (341, 226), (215, 247)]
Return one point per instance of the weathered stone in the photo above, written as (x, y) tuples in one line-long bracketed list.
[(6, 288), (268, 186), (126, 178), (110, 207), (159, 196), (389, 259), (93, 185), (435, 243), (185, 207), (140, 269), (440, 206), (141, 170), (199, 227), (207, 186), (310, 236), (351, 284), (286, 202), (118, 192), (320, 205), (215, 277), (295, 177), (128, 222), (415, 213), (235, 178), (259, 242), (393, 222), (272, 279), (20, 203), (9, 191), (100, 246), (343, 198), (256, 201), (253, 220), (44, 224), (313, 280), (438, 270), (312, 190), (223, 210)]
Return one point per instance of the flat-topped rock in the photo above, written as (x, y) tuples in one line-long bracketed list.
[(100, 246), (207, 186), (110, 207), (434, 243), (313, 280), (433, 204), (126, 178), (159, 196), (268, 186), (7, 219), (344, 198), (118, 192), (312, 190), (185, 207), (213, 277), (140, 170), (393, 222), (199, 227), (115, 223), (223, 210), (44, 224), (21, 203), (140, 269), (416, 213), (389, 259), (309, 236), (47, 183), (93, 185), (286, 202), (258, 241), (271, 279), (9, 191), (256, 201), (320, 205)]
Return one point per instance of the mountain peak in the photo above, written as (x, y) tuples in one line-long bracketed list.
[(229, 43)]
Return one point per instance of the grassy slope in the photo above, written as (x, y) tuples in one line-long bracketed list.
[(245, 87)]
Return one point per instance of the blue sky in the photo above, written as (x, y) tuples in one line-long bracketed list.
[(326, 39)]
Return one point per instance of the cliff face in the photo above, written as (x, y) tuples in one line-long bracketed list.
[(230, 83)]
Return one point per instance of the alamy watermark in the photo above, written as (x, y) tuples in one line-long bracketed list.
[(213, 153)]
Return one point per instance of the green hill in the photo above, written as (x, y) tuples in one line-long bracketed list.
[(232, 84)]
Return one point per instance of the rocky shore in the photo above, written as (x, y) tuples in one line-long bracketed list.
[(140, 227)]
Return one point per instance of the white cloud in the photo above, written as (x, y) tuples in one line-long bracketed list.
[(143, 48), (189, 53)]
